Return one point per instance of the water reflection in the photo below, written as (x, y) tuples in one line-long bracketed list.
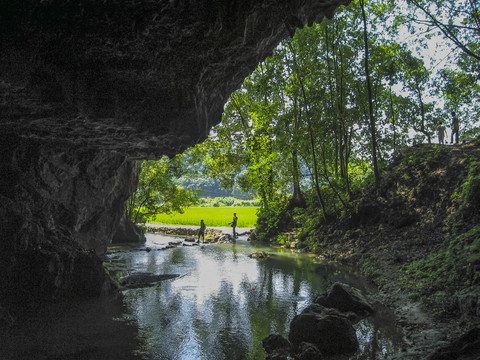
[(224, 303)]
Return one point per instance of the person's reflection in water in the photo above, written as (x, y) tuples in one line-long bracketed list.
[(234, 249)]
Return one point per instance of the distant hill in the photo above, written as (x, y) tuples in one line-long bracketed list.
[(211, 188)]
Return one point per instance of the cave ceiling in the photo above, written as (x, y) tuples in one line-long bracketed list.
[(140, 77)]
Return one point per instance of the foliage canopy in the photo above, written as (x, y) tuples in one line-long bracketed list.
[(157, 192)]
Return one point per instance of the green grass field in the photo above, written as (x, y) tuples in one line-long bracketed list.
[(213, 216)]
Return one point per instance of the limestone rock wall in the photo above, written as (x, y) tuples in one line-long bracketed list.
[(55, 192), (59, 210), (87, 88)]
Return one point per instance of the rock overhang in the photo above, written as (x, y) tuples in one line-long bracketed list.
[(143, 77)]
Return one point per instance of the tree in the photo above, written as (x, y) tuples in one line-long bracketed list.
[(461, 90), (332, 99), (416, 78), (304, 108), (157, 193)]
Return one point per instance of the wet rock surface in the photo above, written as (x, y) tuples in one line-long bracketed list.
[(260, 255), (308, 351)]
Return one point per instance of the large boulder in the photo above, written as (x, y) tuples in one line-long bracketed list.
[(330, 331), (324, 327), (346, 299)]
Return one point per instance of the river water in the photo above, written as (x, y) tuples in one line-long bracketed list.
[(223, 303)]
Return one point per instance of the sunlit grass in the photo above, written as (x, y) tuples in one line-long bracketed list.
[(213, 216)]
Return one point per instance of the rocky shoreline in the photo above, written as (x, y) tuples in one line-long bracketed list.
[(213, 234), (342, 306), (426, 334)]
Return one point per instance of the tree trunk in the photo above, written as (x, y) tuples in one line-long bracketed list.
[(370, 101), (297, 193), (422, 112), (394, 120), (315, 171)]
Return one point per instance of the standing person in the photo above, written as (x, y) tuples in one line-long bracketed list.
[(234, 224), (455, 128), (441, 133), (201, 231)]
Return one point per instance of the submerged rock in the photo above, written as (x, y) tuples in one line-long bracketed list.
[(259, 255), (191, 242), (141, 280), (276, 347), (174, 243)]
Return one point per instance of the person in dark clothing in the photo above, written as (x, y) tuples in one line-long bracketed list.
[(234, 224), (201, 231), (455, 128)]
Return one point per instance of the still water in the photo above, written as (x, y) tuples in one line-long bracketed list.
[(223, 303)]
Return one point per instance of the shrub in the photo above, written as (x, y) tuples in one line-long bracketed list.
[(272, 220)]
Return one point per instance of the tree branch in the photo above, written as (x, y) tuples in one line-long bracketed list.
[(445, 30)]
